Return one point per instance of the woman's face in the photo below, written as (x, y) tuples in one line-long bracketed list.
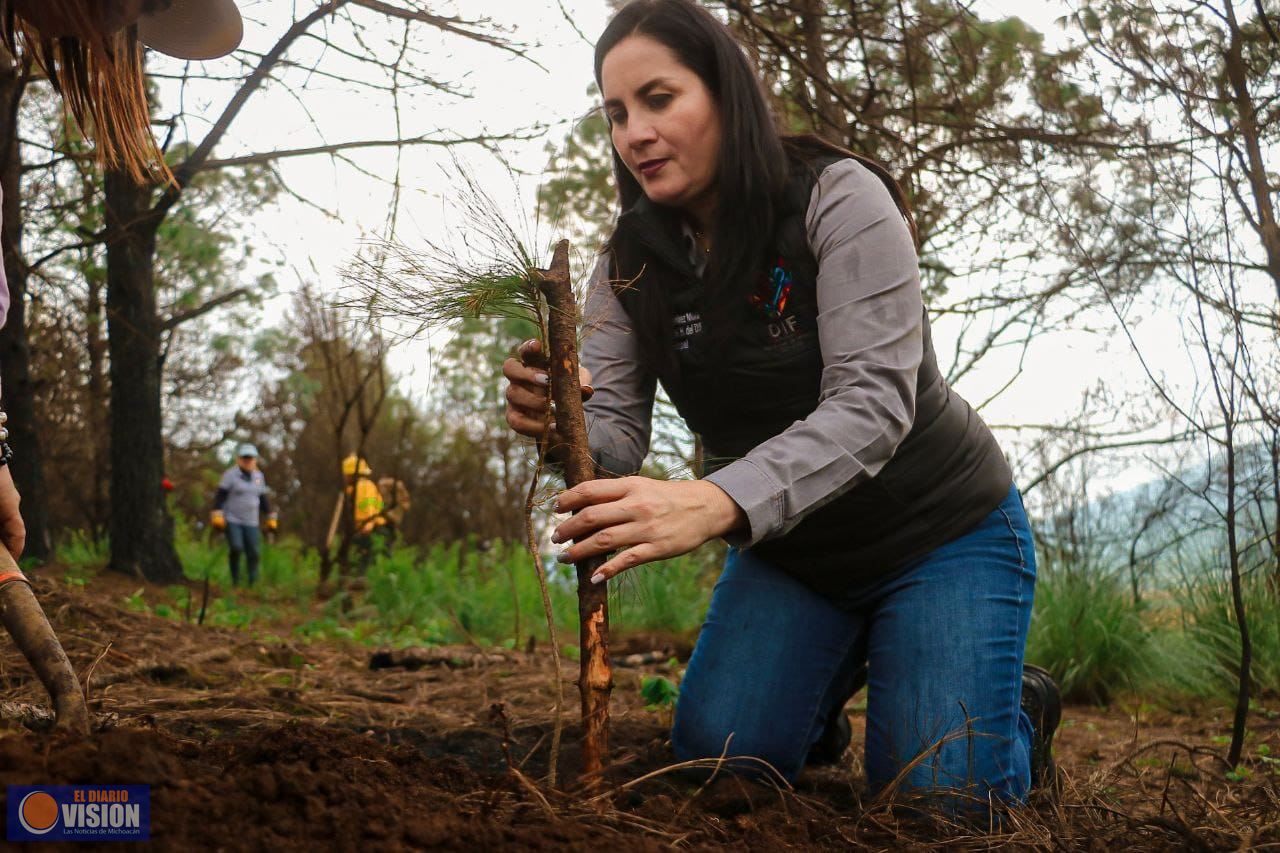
[(665, 124)]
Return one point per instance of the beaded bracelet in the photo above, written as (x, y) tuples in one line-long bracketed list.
[(6, 452)]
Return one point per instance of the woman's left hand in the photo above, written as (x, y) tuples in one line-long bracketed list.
[(643, 519)]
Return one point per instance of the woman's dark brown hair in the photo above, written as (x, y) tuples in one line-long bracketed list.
[(755, 159), (98, 72)]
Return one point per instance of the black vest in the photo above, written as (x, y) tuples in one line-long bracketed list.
[(945, 476)]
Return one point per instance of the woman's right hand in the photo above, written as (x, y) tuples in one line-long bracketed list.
[(528, 396)]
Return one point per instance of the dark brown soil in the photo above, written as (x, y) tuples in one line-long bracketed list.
[(253, 745)]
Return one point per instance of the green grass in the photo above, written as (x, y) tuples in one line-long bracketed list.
[(1176, 648), (449, 593), (1086, 631), (668, 596), (1183, 669), (78, 552), (454, 594), (1210, 624)]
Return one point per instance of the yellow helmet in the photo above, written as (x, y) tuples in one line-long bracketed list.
[(350, 464)]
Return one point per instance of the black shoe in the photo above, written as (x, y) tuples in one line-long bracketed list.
[(1043, 703), (834, 741), (838, 734)]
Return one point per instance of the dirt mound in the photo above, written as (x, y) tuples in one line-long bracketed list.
[(297, 787), (258, 742)]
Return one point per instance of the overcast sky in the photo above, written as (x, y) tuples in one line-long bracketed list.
[(506, 94)]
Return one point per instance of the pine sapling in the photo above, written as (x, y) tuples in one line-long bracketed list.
[(595, 677)]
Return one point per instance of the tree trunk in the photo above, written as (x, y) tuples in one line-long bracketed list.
[(1251, 132), (1134, 586), (141, 528), (15, 354), (595, 679), (97, 411), (828, 115), (1273, 445), (1241, 716)]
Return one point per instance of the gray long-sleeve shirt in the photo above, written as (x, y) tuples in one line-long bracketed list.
[(242, 496), (870, 311)]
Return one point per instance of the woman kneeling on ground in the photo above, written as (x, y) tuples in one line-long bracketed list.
[(771, 284)]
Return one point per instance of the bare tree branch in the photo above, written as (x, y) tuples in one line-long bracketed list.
[(181, 317), (269, 156)]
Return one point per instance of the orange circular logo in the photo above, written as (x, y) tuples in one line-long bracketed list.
[(38, 812)]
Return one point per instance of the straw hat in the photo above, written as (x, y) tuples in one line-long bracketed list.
[(192, 29)]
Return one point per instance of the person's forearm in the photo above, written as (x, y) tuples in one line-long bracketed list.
[(725, 517), (220, 498)]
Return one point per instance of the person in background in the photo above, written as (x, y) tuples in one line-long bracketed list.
[(240, 503), (368, 507), (395, 503)]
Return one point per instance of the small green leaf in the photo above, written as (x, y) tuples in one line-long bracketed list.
[(1240, 774), (658, 692)]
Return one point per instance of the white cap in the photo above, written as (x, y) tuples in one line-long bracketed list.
[(193, 29), (246, 450)]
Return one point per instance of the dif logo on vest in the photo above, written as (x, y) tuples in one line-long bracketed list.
[(79, 813)]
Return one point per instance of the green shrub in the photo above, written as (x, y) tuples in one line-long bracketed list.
[(137, 602), (202, 557), (78, 575), (668, 596), (448, 593), (287, 570), (457, 593), (78, 552), (1182, 668), (1210, 625), (229, 612), (1087, 632), (658, 692)]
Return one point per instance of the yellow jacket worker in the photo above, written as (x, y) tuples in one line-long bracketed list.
[(368, 500), (366, 504)]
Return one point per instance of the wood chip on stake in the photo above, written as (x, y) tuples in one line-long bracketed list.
[(595, 678)]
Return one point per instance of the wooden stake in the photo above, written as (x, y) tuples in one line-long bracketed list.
[(333, 523), (26, 623), (595, 678)]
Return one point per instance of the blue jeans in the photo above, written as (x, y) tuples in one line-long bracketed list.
[(943, 640), (242, 538)]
